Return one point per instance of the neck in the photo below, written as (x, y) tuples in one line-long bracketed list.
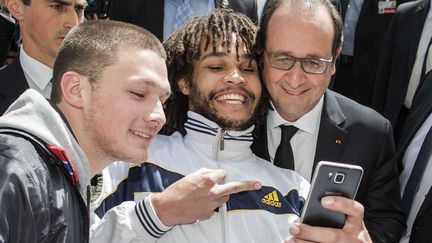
[(35, 53), (95, 159)]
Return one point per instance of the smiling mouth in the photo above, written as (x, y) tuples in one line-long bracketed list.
[(293, 92), (232, 99), (141, 134)]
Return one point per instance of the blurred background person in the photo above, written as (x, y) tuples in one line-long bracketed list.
[(365, 26), (402, 62), (414, 160), (43, 26), (161, 17)]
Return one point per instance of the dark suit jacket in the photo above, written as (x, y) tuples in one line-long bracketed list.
[(12, 84), (366, 140), (149, 13), (369, 36), (7, 31), (419, 112), (397, 58)]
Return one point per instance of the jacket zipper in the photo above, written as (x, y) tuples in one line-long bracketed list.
[(220, 146)]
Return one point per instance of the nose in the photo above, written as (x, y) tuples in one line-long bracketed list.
[(234, 77), (72, 18), (295, 76), (156, 119)]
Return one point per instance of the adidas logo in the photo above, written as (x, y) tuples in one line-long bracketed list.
[(272, 199)]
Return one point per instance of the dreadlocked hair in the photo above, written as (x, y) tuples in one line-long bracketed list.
[(184, 46)]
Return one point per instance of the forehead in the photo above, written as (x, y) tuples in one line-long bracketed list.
[(143, 66), (300, 32), (223, 48)]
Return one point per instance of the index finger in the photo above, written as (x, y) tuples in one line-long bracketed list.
[(238, 186), (353, 209)]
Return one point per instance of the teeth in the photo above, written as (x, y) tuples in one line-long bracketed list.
[(234, 99), (141, 134), (294, 93)]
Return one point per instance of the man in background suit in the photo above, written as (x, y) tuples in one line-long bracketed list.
[(152, 15), (401, 61), (43, 26), (297, 63), (7, 32), (365, 26), (419, 213)]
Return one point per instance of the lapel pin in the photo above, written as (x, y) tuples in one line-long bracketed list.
[(338, 141)]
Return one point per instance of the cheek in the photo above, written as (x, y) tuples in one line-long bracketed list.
[(321, 83), (271, 79)]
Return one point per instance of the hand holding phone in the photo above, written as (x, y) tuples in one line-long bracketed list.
[(330, 179)]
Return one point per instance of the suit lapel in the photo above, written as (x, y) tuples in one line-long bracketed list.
[(420, 110), (260, 145), (364, 9), (331, 136), (343, 5), (418, 19)]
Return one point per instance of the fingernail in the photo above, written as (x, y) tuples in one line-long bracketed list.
[(290, 240), (294, 229), (327, 201), (257, 186)]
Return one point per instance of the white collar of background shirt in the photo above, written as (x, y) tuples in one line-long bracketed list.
[(38, 73)]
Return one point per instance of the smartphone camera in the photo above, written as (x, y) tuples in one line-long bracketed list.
[(339, 178)]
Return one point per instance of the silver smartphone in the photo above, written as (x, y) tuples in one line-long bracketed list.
[(330, 179)]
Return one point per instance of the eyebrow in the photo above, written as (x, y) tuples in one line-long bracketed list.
[(69, 3), (150, 84), (224, 54), (290, 54)]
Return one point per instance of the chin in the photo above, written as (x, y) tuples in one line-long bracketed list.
[(138, 157)]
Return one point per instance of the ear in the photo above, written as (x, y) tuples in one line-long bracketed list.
[(183, 86), (72, 85), (333, 66), (15, 8)]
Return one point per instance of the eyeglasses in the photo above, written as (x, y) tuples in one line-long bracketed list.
[(308, 64)]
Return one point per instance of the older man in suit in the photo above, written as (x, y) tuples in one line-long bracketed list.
[(43, 26), (159, 17), (297, 45), (414, 159)]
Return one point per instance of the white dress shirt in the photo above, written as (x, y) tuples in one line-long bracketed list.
[(303, 143), (38, 75), (420, 57), (408, 161)]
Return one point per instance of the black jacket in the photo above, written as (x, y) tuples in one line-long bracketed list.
[(421, 108), (38, 201), (12, 84)]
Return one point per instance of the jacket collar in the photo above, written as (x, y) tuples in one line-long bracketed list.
[(205, 131)]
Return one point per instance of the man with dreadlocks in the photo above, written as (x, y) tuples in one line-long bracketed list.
[(216, 97)]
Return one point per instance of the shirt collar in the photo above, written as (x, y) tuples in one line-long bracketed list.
[(309, 122), (38, 73)]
